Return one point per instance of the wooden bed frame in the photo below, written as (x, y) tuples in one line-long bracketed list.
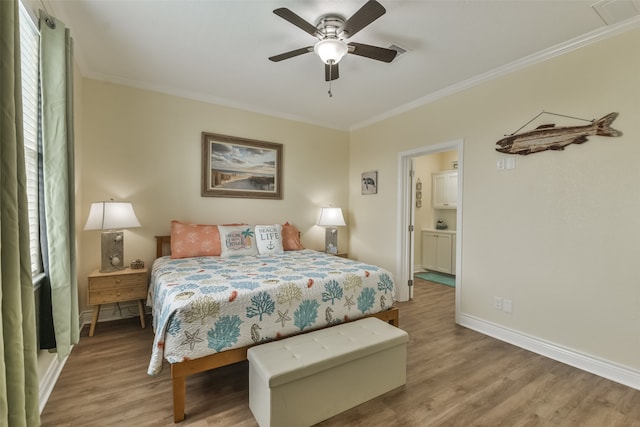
[(180, 371)]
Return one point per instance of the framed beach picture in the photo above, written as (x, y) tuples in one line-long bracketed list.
[(239, 167), (369, 182)]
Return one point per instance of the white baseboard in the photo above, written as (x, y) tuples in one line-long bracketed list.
[(48, 381), (606, 369)]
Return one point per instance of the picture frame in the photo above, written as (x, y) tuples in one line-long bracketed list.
[(369, 182), (240, 167)]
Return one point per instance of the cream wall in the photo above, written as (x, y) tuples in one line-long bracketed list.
[(559, 235), (145, 147), (446, 159)]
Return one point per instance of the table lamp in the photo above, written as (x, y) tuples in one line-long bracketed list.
[(111, 217), (331, 218)]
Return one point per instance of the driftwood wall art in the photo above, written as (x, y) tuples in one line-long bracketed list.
[(550, 137)]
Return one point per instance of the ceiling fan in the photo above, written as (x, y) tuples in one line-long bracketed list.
[(332, 30)]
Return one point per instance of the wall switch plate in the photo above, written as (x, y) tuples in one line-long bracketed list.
[(510, 163), (497, 303), (500, 163), (507, 305)]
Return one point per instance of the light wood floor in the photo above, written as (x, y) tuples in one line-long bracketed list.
[(456, 377)]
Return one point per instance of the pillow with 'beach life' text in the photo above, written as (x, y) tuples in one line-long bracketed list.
[(269, 239), (237, 240)]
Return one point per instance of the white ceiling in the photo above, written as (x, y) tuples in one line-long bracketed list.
[(217, 50)]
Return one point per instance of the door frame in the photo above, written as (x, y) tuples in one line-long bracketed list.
[(406, 212)]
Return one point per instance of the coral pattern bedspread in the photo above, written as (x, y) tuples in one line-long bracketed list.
[(206, 305)]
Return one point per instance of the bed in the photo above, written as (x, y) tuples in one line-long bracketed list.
[(207, 311)]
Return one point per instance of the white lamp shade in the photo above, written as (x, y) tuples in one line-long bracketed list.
[(111, 216), (330, 51), (331, 217)]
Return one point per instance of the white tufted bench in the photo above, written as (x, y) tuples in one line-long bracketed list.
[(302, 380)]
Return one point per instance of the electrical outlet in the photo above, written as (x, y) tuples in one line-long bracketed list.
[(507, 305), (497, 303)]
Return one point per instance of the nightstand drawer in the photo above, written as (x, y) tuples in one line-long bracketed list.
[(117, 294), (116, 282)]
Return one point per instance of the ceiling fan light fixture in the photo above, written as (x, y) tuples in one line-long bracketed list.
[(330, 51)]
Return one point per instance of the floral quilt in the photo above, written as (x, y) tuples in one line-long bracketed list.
[(206, 305)]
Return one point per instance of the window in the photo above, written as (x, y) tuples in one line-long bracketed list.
[(29, 46)]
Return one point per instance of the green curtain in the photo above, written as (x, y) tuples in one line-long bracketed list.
[(56, 79), (18, 348)]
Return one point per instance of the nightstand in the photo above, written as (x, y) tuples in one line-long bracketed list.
[(117, 286)]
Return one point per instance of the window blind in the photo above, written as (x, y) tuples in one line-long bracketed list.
[(29, 45)]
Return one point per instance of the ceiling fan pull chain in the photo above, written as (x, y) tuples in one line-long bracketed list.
[(330, 69)]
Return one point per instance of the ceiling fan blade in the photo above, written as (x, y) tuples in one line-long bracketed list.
[(368, 13), (373, 52), (288, 15), (291, 54), (331, 72)]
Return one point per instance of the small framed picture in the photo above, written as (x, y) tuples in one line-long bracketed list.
[(369, 182), (454, 165)]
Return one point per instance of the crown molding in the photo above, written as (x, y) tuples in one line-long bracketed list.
[(536, 58)]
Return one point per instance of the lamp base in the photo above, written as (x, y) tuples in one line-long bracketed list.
[(112, 251), (331, 240)]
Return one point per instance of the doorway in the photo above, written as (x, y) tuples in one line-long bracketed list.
[(407, 229)]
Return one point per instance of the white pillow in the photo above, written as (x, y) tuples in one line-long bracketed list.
[(237, 240), (269, 239)]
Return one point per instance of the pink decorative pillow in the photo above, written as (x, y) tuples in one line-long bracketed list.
[(192, 240), (291, 237)]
